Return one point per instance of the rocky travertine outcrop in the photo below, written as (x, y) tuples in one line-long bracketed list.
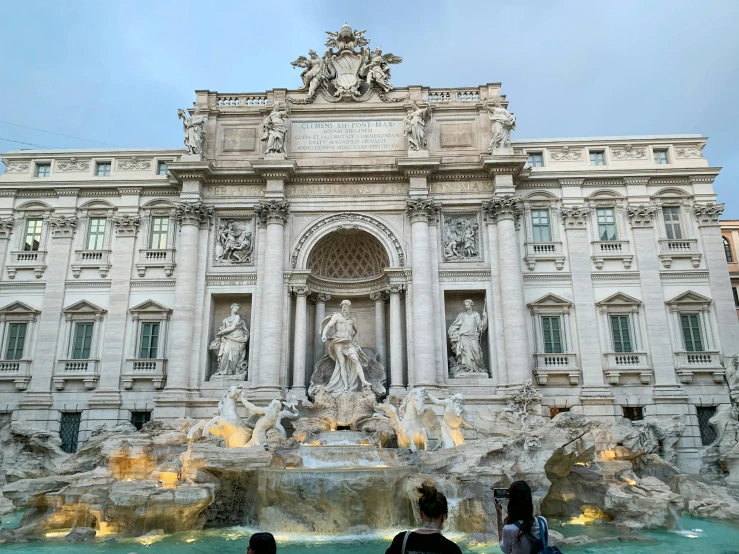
[(27, 453)]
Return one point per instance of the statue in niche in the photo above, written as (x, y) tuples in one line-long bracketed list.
[(461, 240), (455, 417), (235, 244), (464, 335), (194, 128), (314, 74), (503, 123), (414, 126), (230, 343), (377, 68), (346, 367), (275, 128)]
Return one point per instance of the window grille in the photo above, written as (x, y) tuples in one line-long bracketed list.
[(139, 419), (708, 433), (634, 413), (553, 411), (69, 431)]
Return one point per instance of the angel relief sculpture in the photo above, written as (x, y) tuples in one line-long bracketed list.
[(348, 69)]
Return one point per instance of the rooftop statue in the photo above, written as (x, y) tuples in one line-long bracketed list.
[(503, 123), (194, 128), (415, 126), (275, 128)]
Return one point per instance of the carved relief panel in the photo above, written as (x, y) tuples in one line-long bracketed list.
[(234, 241), (460, 237)]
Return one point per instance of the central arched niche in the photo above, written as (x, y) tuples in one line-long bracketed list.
[(348, 255)]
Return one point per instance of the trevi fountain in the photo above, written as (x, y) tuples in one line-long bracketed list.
[(322, 437)]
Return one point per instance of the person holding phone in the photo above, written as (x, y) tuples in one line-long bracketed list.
[(522, 533)]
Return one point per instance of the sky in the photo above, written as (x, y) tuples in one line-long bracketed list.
[(115, 71)]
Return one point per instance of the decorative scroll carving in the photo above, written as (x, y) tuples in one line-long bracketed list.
[(134, 164), (575, 217), (234, 243), (690, 151), (461, 239), (273, 211), (16, 167), (708, 214), (565, 154), (193, 213), (380, 296), (629, 153), (395, 289), (6, 227), (421, 210), (503, 207), (321, 297), (73, 164), (642, 215), (126, 225), (62, 227)]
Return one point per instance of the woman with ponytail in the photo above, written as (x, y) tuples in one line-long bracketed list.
[(523, 533), (428, 538)]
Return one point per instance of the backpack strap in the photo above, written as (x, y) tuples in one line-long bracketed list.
[(532, 538), (543, 531), (405, 541)]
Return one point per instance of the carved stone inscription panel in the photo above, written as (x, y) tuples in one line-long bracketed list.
[(346, 136)]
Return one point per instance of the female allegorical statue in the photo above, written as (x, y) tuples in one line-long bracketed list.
[(464, 334), (230, 343)]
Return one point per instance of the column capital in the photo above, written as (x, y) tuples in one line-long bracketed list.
[(193, 213), (300, 290), (380, 296), (126, 225), (421, 210), (320, 297), (62, 226), (6, 227), (641, 215), (575, 217), (503, 207), (395, 288), (708, 214), (272, 211)]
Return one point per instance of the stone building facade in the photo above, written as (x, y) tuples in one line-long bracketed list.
[(598, 261), (730, 232)]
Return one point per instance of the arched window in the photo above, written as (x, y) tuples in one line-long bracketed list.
[(727, 250)]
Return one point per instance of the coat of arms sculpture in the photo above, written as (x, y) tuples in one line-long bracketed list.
[(349, 69)]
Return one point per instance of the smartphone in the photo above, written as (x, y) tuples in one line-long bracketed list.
[(500, 494)]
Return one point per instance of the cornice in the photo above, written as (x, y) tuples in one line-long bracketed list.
[(154, 283), (32, 285), (562, 277), (616, 276), (687, 275), (87, 284)]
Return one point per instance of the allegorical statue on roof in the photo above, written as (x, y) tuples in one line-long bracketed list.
[(414, 126), (503, 123), (348, 69), (275, 128), (194, 128)]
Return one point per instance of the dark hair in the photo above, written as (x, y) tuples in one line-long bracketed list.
[(432, 502), (520, 506), (263, 543)]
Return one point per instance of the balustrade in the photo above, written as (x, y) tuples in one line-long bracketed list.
[(611, 250), (76, 370), (163, 258), (453, 95), (144, 369), (241, 100), (683, 248), (556, 365)]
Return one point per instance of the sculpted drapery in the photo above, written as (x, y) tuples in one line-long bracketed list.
[(464, 335), (230, 343)]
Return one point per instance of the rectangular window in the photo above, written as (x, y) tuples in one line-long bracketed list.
[(139, 419), (597, 157), (555, 411), (16, 341), (536, 159), (708, 433), (102, 169), (660, 157), (672, 223), (551, 332), (43, 170), (159, 231), (621, 333), (69, 431), (634, 413), (691, 332), (95, 233), (32, 235), (82, 344), (162, 168), (606, 224), (736, 296), (149, 340), (541, 225)]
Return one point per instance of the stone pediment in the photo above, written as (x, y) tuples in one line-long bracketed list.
[(689, 297), (84, 307), (18, 308), (619, 299), (151, 307), (550, 300)]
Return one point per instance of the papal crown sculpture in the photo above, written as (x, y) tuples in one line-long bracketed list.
[(349, 69)]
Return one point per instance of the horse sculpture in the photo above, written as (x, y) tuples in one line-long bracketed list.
[(409, 422), (226, 424)]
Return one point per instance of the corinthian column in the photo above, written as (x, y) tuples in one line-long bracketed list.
[(274, 213), (397, 386), (506, 210), (299, 342), (380, 298), (319, 349), (424, 346)]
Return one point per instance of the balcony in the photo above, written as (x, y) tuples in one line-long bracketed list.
[(611, 250), (18, 371), (145, 369), (684, 248), (19, 260), (557, 366), (621, 364), (702, 363), (544, 251), (156, 258), (76, 370), (92, 259)]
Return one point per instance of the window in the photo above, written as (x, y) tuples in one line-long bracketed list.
[(708, 433), (16, 341), (553, 411), (82, 342), (69, 431), (43, 170), (634, 413), (691, 332), (139, 419), (597, 157), (162, 168), (536, 159), (660, 157), (727, 251), (159, 231), (32, 235), (102, 169), (606, 224), (149, 339), (551, 331), (621, 333), (736, 296), (672, 223), (541, 225), (95, 233)]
